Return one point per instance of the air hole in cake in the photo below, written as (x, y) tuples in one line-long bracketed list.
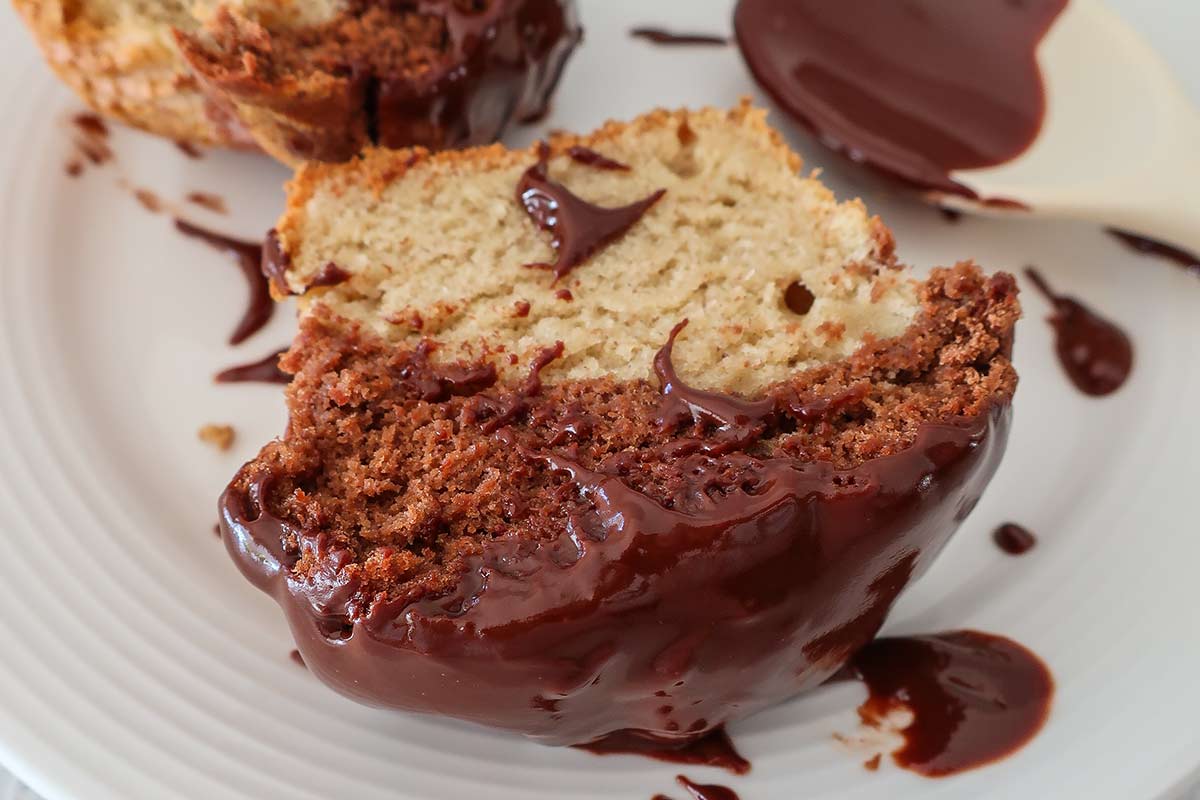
[(798, 298)]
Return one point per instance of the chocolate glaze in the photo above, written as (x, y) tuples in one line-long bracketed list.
[(916, 89), (329, 275), (1153, 247), (1014, 539), (579, 227), (662, 36), (975, 697), (264, 371), (713, 749), (248, 256), (1096, 354), (275, 264), (598, 629), (706, 791), (589, 157)]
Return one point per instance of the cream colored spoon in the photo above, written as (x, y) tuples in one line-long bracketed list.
[(1120, 143)]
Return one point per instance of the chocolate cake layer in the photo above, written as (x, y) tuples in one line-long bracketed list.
[(571, 559)]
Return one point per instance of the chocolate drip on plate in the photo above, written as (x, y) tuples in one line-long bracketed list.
[(1096, 354), (248, 256), (975, 697)]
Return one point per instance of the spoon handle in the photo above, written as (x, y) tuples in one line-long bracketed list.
[(1165, 202)]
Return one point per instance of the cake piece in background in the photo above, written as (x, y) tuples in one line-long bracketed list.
[(313, 79)]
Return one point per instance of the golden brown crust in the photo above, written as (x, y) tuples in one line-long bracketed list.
[(144, 84)]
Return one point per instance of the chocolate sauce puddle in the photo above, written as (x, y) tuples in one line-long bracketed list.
[(248, 257), (916, 89), (579, 228), (1014, 539), (587, 632), (975, 697), (663, 36), (1096, 354), (1152, 247), (264, 371), (713, 749)]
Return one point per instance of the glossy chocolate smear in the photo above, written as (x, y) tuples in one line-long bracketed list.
[(664, 36), (248, 256), (915, 88), (579, 228), (975, 697), (1152, 247), (1095, 353), (265, 370)]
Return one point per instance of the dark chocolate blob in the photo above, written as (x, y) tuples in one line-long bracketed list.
[(275, 264), (248, 256), (798, 298), (916, 89), (579, 228), (975, 697), (1152, 247), (1014, 539), (589, 157), (264, 371), (706, 791), (598, 630), (663, 36), (329, 275), (1096, 354), (713, 749)]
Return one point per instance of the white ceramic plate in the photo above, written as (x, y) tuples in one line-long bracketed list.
[(135, 662)]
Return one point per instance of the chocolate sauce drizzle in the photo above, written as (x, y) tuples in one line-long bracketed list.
[(706, 791), (264, 371), (1014, 539), (713, 749), (1096, 354), (247, 256), (1152, 247), (579, 228), (598, 629), (916, 89), (275, 264), (663, 36), (329, 275), (589, 157), (975, 697)]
